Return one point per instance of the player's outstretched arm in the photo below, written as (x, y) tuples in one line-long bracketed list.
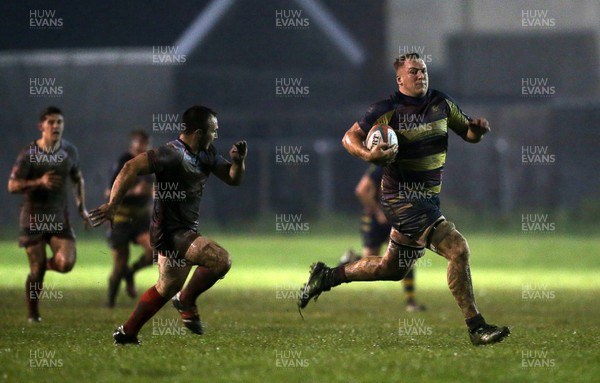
[(138, 165), (380, 154), (79, 185), (233, 174)]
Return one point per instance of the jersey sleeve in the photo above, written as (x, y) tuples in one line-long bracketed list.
[(22, 165), (379, 112), (458, 121), (217, 159), (163, 158), (220, 161)]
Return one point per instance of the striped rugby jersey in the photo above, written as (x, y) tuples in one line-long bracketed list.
[(421, 124)]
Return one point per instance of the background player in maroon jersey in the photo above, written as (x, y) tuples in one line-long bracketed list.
[(181, 168), (131, 222), (41, 173)]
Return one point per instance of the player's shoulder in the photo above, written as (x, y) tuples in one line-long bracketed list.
[(175, 144), (210, 155), (376, 110), (437, 95), (172, 149), (385, 104), (212, 150), (27, 148), (68, 146)]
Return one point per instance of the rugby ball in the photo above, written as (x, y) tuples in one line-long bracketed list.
[(381, 133)]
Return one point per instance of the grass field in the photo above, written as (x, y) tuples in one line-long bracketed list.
[(545, 287)]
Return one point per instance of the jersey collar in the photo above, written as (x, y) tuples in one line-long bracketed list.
[(187, 147), (412, 100), (58, 147)]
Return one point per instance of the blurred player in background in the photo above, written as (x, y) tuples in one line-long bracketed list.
[(181, 168), (411, 184), (42, 173), (131, 222), (375, 230)]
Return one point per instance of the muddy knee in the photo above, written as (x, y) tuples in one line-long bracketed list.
[(64, 262), (455, 247), (449, 242), (460, 251), (223, 264), (215, 258)]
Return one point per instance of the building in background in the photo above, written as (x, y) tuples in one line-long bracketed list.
[(292, 76)]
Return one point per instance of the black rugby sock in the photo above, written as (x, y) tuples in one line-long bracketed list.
[(33, 290), (475, 322), (408, 282), (113, 288), (337, 276), (142, 262)]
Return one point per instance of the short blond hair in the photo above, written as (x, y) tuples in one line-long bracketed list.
[(402, 59)]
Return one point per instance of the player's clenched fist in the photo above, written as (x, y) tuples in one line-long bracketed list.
[(479, 126), (238, 151)]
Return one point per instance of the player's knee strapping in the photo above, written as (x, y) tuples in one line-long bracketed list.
[(438, 232)]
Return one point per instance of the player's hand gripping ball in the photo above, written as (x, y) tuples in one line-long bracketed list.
[(382, 143), (381, 134)]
